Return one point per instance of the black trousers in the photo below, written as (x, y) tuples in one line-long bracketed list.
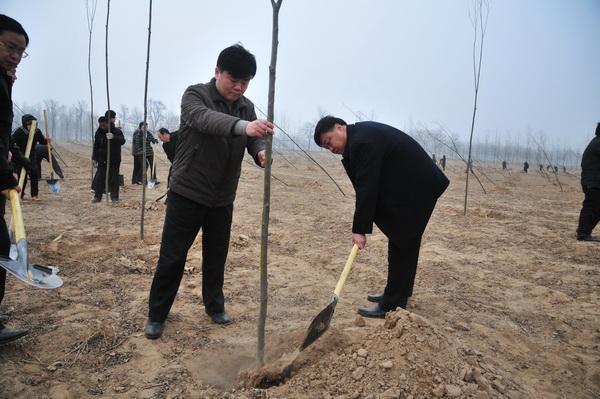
[(183, 220), (404, 228), (590, 211), (139, 167), (4, 245), (113, 180), (32, 175)]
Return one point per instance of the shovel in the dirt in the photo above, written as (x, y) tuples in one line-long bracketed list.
[(152, 180), (36, 275), (53, 184), (320, 324)]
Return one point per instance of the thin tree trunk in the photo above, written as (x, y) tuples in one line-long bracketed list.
[(144, 127), (108, 104), (267, 188), (91, 14), (477, 19)]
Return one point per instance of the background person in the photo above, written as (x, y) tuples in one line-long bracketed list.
[(20, 137), (590, 183)]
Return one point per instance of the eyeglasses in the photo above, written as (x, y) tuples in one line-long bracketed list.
[(15, 50)]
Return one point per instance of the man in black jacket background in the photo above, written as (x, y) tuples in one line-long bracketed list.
[(20, 137), (590, 183), (137, 149), (397, 186), (102, 139), (13, 42)]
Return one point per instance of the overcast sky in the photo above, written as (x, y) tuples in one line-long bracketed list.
[(407, 63)]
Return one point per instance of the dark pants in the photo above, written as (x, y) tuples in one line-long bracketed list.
[(404, 228), (183, 220), (590, 211), (33, 175), (4, 245), (113, 180), (139, 167)]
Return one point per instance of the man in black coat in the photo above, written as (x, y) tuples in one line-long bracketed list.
[(590, 182), (169, 140), (13, 41), (397, 186), (20, 137), (102, 139)]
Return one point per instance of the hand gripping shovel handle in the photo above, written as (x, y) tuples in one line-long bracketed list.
[(346, 271)]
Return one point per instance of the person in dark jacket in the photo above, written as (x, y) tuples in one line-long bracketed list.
[(13, 42), (590, 183), (102, 139), (397, 186), (169, 144), (217, 125), (525, 166), (137, 149), (41, 152), (20, 137)]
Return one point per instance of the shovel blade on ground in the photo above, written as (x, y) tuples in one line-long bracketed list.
[(35, 275), (151, 184), (320, 324), (53, 185)]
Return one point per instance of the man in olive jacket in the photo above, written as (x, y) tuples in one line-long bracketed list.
[(590, 183), (397, 186), (217, 125)]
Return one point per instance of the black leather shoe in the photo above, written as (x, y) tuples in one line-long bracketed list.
[(375, 312), (587, 237), (10, 334), (4, 318), (95, 200), (375, 298), (221, 318), (154, 329)]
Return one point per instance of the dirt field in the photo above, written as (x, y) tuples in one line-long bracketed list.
[(506, 302)]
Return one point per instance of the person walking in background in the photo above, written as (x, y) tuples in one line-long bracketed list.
[(397, 186), (139, 166), (217, 125), (13, 42), (525, 166), (590, 183), (504, 164), (443, 162), (20, 137), (102, 139)]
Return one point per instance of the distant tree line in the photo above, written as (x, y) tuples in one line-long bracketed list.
[(72, 123)]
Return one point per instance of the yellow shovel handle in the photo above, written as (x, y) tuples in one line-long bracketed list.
[(27, 150), (47, 137), (346, 271), (17, 215)]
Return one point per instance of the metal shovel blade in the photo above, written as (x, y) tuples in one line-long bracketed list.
[(36, 275), (53, 185), (320, 323), (151, 184)]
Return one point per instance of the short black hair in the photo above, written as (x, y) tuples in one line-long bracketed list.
[(238, 61), (141, 124), (163, 130), (102, 119), (598, 129), (326, 124), (11, 25), (110, 112)]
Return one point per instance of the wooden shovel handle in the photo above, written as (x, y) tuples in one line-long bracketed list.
[(27, 150), (47, 138), (17, 215), (346, 271)]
